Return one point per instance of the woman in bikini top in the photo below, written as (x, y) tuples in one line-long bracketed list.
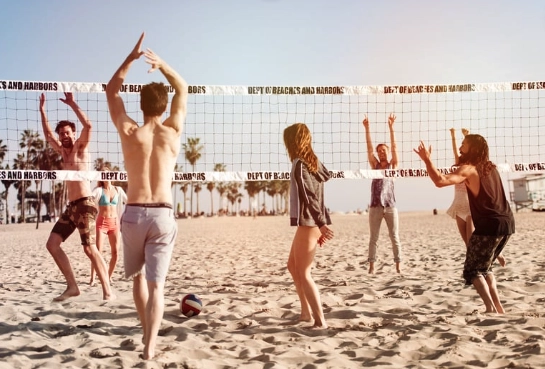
[(109, 198)]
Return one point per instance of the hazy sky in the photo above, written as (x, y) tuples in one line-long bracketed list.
[(284, 42)]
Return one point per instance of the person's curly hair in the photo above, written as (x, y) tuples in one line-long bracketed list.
[(478, 154), (297, 139), (64, 123)]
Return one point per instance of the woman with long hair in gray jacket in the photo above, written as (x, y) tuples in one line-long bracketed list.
[(309, 214)]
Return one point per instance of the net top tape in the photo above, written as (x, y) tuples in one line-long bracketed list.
[(121, 176), (97, 87)]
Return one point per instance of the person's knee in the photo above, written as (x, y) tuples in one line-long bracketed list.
[(155, 289), (114, 248), (138, 278), (304, 274), (291, 267), (490, 278), (90, 251), (53, 244)]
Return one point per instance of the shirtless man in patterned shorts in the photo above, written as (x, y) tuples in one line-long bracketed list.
[(80, 212)]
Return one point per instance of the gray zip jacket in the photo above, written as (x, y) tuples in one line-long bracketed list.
[(307, 195)]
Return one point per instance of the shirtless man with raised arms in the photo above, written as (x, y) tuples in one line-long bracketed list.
[(80, 212), (148, 225)]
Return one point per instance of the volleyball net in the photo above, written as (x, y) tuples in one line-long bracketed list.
[(237, 130)]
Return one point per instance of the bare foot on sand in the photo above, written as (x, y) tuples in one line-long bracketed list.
[(69, 292), (149, 354), (492, 312), (109, 297), (319, 326)]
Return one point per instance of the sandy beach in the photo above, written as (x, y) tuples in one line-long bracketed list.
[(423, 318)]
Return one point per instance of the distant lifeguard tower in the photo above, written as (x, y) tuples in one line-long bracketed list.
[(529, 192)]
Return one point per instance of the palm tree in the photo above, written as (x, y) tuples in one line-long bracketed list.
[(238, 203), (101, 163), (233, 194), (21, 163), (37, 163), (51, 160), (29, 141), (177, 168), (46, 199), (253, 188), (7, 183), (210, 187), (273, 189), (58, 196), (218, 167), (183, 188), (3, 151), (222, 189), (285, 193), (192, 154), (234, 197), (198, 188), (262, 188)]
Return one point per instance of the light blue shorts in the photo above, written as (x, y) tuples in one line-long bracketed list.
[(149, 232)]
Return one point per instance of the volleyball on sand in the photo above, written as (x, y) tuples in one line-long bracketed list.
[(191, 305)]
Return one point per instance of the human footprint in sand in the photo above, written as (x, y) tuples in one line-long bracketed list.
[(309, 214), (80, 212), (459, 209), (490, 211)]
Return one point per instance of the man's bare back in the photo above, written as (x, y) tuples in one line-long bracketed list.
[(148, 150)]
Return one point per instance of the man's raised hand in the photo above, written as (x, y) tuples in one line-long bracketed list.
[(154, 60), (136, 52)]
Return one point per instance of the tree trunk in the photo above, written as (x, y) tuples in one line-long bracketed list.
[(23, 207), (54, 201), (39, 208), (7, 207)]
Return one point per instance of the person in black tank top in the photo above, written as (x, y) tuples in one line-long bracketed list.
[(490, 210)]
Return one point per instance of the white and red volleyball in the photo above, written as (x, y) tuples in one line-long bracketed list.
[(191, 305)]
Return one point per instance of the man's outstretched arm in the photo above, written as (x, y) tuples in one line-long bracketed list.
[(370, 151), (85, 135), (48, 132), (115, 102), (178, 106), (438, 178)]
